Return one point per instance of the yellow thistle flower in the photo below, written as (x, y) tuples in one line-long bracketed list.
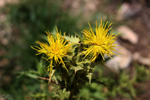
[(55, 50), (100, 42)]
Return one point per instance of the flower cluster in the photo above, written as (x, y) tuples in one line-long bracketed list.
[(96, 42)]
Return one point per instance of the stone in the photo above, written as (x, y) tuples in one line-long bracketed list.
[(128, 34), (143, 60), (121, 61), (127, 11), (5, 2)]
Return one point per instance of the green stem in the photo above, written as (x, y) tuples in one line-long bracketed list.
[(73, 86)]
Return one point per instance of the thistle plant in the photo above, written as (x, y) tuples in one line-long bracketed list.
[(72, 59)]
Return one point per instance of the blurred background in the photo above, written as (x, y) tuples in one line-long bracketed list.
[(22, 22)]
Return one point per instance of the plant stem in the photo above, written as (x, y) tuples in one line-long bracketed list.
[(73, 86)]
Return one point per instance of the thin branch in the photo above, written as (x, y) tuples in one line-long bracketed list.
[(47, 79)]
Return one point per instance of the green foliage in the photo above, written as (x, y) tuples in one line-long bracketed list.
[(124, 87), (42, 15), (61, 94), (142, 71), (92, 92), (113, 85), (29, 19)]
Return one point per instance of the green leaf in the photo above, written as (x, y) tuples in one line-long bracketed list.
[(40, 67), (89, 77), (29, 74), (72, 39), (76, 68), (62, 94)]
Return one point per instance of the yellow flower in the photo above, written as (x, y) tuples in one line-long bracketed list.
[(55, 50), (100, 41)]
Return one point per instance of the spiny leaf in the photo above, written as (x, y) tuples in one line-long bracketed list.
[(72, 39), (76, 68)]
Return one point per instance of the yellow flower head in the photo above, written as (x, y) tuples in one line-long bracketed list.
[(55, 50), (100, 41)]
